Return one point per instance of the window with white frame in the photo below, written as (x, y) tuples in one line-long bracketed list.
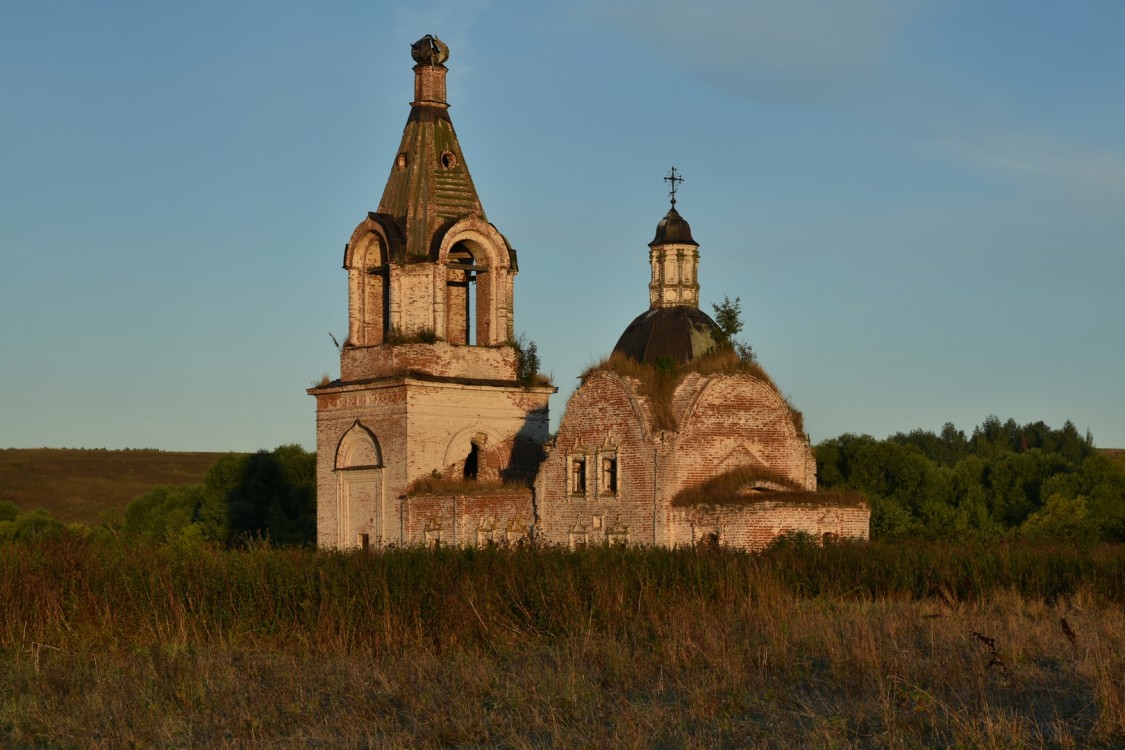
[(578, 474), (607, 478)]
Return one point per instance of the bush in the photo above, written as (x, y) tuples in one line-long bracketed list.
[(8, 511), (31, 525)]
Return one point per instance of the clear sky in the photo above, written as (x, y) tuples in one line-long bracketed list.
[(920, 204)]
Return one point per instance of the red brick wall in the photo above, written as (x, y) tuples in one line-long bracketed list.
[(441, 359), (754, 526), (500, 517), (724, 421), (736, 420), (603, 414)]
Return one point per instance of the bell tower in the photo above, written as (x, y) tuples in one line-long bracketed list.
[(428, 373)]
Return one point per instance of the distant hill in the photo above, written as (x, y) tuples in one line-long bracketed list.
[(79, 485)]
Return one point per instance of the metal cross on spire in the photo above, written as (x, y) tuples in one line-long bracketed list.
[(673, 179)]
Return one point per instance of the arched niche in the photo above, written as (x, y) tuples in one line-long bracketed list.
[(358, 449)]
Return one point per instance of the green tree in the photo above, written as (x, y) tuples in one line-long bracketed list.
[(163, 513), (29, 525), (1063, 517), (728, 317), (991, 483), (1102, 487), (527, 359), (268, 494)]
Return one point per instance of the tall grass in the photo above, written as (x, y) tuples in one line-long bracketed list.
[(845, 645)]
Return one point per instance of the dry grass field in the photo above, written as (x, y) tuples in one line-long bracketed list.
[(79, 486), (107, 643), (103, 644)]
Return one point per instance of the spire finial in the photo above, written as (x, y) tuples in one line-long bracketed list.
[(429, 50), (673, 178)]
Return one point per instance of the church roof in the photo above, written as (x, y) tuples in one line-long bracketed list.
[(430, 186), (673, 229), (673, 326), (683, 333)]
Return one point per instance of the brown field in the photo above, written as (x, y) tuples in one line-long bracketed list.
[(104, 644), (79, 486), (1117, 456)]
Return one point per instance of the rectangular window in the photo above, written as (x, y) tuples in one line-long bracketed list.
[(578, 475), (608, 483), (363, 541)]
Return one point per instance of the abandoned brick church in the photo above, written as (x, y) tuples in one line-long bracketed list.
[(433, 435)]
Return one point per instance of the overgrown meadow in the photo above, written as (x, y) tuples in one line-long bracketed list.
[(107, 643), (986, 613)]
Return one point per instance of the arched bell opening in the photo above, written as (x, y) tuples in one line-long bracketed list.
[(368, 291), (462, 304), (476, 269)]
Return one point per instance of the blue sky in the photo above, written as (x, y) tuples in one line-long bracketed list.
[(920, 204)]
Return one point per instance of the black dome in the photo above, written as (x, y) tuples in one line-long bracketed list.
[(673, 228), (681, 332)]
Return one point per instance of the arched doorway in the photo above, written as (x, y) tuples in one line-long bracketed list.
[(360, 516)]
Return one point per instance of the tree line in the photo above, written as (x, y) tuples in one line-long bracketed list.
[(267, 495), (244, 497), (1005, 479)]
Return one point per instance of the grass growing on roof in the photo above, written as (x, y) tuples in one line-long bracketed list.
[(658, 380)]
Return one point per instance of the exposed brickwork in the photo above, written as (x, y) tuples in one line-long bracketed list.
[(499, 518), (605, 417), (428, 266), (725, 421), (754, 526), (418, 428), (439, 359), (736, 420)]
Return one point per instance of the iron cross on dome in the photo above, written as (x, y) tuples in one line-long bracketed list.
[(673, 178)]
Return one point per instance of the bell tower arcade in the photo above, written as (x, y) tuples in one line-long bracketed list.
[(428, 373)]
